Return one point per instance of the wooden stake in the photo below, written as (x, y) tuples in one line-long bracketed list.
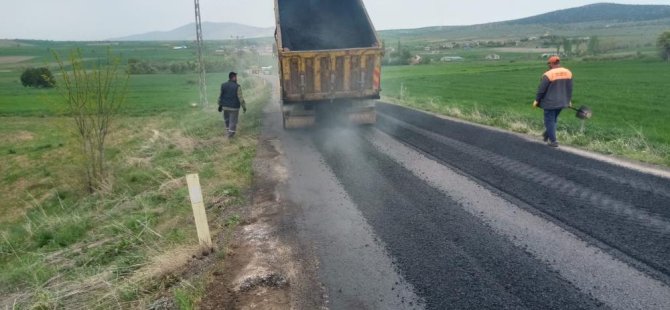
[(198, 204)]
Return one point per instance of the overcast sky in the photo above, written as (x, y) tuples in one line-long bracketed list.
[(103, 19)]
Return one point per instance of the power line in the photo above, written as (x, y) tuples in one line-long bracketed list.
[(201, 57)]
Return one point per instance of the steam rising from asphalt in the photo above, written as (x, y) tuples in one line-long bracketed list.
[(324, 24)]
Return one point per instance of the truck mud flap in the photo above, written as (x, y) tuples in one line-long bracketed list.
[(363, 117), (298, 122)]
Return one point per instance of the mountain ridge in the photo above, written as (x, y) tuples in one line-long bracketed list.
[(211, 31), (599, 12), (640, 23), (592, 13)]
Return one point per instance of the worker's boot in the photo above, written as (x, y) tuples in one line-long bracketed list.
[(553, 144)]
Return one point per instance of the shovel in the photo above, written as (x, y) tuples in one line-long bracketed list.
[(583, 113)]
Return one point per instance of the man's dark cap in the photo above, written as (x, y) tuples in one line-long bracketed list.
[(231, 75)]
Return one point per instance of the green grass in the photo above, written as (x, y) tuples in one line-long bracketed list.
[(629, 100), (60, 247), (632, 33), (147, 95)]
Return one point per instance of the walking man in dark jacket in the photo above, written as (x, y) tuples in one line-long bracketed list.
[(554, 95), (230, 102)]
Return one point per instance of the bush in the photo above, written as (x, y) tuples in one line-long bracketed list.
[(179, 68), (140, 67), (38, 78), (664, 45)]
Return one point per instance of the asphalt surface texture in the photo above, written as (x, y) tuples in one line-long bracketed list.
[(625, 209), (422, 212)]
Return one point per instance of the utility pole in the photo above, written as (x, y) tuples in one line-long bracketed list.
[(201, 57)]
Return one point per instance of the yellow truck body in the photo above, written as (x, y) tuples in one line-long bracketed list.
[(329, 55)]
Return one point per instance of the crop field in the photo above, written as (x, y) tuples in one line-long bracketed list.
[(148, 93), (61, 247), (629, 99)]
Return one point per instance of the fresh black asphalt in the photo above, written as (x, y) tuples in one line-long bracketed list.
[(453, 260), (449, 257), (624, 209)]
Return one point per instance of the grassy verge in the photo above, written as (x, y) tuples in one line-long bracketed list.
[(627, 98), (62, 249)]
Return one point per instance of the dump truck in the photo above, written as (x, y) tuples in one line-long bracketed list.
[(330, 60)]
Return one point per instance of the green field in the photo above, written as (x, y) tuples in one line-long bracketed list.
[(629, 100), (148, 93), (123, 247)]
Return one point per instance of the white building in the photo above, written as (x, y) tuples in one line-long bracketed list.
[(493, 57), (415, 60), (451, 58)]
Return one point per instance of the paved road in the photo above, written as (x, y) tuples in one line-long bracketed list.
[(422, 212)]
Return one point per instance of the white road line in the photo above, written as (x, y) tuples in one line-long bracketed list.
[(606, 278)]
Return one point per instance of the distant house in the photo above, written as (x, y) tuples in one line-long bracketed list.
[(415, 60), (447, 45), (493, 57), (427, 48), (451, 58), (181, 47)]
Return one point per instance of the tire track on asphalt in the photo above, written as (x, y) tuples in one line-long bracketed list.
[(634, 183)]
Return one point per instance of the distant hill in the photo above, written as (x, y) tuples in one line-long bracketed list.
[(211, 31), (635, 22), (599, 12)]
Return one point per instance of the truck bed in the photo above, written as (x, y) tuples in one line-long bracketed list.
[(329, 57), (324, 25)]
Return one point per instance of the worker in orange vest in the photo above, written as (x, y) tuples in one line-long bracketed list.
[(554, 95)]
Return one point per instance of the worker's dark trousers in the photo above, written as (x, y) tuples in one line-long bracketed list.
[(550, 122), (231, 118)]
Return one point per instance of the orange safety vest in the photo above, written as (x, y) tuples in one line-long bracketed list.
[(558, 74)]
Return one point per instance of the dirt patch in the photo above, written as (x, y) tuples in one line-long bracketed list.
[(168, 263), (16, 137), (14, 59), (13, 43), (264, 268)]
